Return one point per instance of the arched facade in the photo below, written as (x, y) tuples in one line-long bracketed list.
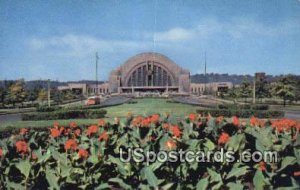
[(149, 72)]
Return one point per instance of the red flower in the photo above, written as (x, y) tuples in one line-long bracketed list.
[(235, 121), (146, 122), (22, 147), (137, 121), (170, 144), (284, 124), (262, 166), (101, 123), (55, 132), (92, 130), (192, 117), (155, 118), (70, 144), (73, 124), (176, 131), (224, 138), (103, 136), (1, 152), (23, 131), (34, 157), (297, 173), (82, 153), (166, 126)]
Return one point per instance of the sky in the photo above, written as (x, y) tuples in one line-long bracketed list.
[(58, 40)]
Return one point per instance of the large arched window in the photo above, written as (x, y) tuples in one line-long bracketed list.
[(149, 75)]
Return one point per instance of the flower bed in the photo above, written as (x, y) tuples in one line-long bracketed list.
[(88, 157)]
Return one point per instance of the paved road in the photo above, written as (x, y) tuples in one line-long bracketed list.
[(292, 115), (10, 117)]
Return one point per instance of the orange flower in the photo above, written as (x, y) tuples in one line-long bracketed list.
[(192, 117), (224, 138), (235, 121), (262, 166), (284, 124), (1, 152), (103, 136), (73, 124), (77, 132), (220, 119), (92, 130), (23, 131), (82, 153), (55, 132), (146, 122), (254, 121), (155, 118), (137, 121), (34, 157), (101, 123), (55, 124), (22, 147), (297, 173), (166, 126), (70, 144), (170, 144), (176, 131)]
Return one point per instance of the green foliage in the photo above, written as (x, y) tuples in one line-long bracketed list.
[(16, 92), (285, 88), (58, 168), (242, 113)]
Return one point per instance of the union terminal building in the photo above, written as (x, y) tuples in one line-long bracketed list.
[(147, 72)]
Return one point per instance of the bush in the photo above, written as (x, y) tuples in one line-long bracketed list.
[(260, 107), (65, 114), (243, 113), (47, 109)]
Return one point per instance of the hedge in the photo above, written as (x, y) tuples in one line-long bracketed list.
[(65, 114), (242, 113), (244, 106)]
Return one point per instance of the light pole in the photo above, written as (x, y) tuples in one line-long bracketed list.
[(49, 104)]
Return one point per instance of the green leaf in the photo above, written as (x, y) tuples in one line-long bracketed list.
[(209, 144), (202, 184), (150, 177), (214, 176), (52, 179), (237, 171), (103, 186), (288, 160), (236, 141), (24, 167), (259, 180), (120, 182), (235, 186)]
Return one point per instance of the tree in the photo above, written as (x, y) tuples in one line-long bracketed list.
[(42, 95), (245, 90), (58, 97), (262, 89), (285, 89), (16, 92)]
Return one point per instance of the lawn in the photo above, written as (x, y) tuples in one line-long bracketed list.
[(148, 106), (144, 106)]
